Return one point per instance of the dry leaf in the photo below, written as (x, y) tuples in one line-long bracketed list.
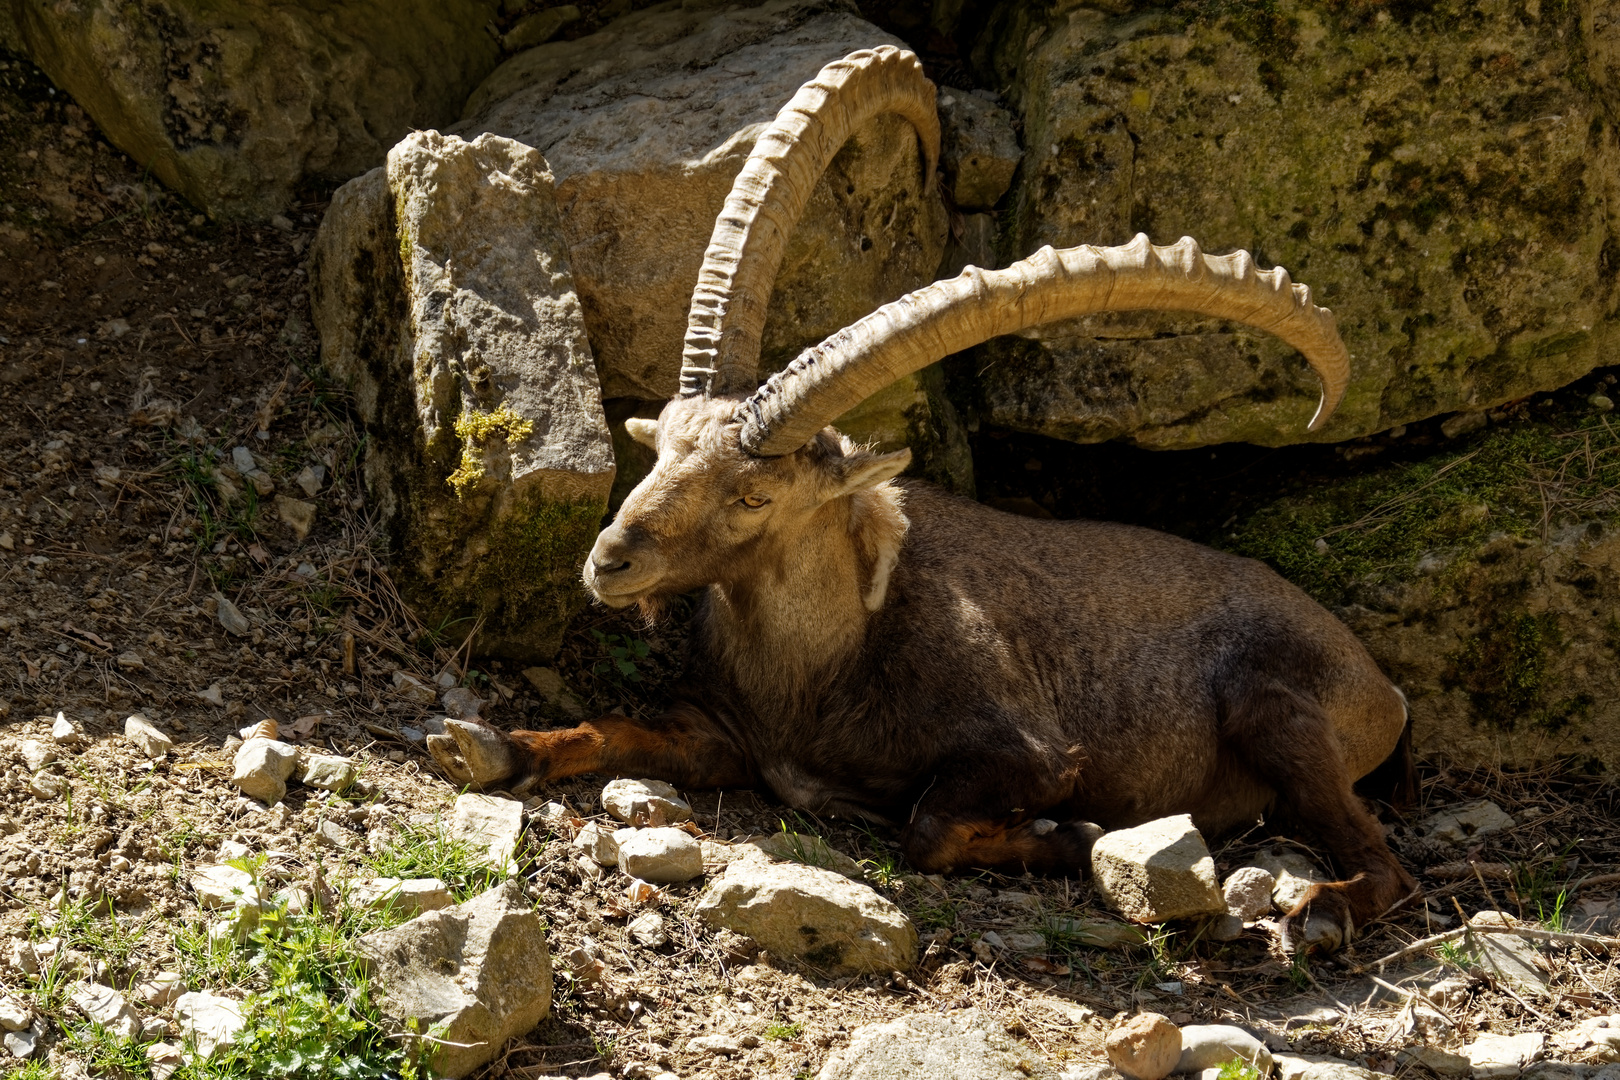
[(304, 726), (260, 556), (1045, 967), (33, 668), (87, 635)]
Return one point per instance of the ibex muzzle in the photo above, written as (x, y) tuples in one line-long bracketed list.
[(990, 684)]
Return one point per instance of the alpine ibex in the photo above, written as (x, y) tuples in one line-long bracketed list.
[(990, 684)]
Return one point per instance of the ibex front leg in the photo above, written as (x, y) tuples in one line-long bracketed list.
[(685, 746)]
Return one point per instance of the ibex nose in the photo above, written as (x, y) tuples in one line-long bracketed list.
[(610, 553)]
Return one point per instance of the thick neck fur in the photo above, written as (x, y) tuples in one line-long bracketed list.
[(801, 606)]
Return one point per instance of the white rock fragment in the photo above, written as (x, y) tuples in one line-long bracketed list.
[(222, 886), (597, 841), (645, 802), (410, 895), (491, 825), (14, 1015), (1462, 823), (648, 929), (1157, 871), (413, 689), (160, 990), (298, 514), (329, 772), (262, 768), (105, 1006), (209, 1020), (146, 737), (36, 755), (662, 855), (1502, 1056), (65, 731), (45, 786), (1293, 873), (1247, 892), (1319, 1067), (213, 694), (20, 1044), (310, 479), (131, 661), (231, 617)]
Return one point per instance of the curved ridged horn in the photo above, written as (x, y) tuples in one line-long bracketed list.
[(827, 380), (727, 317)]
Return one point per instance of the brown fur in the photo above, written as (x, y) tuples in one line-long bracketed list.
[(886, 650)]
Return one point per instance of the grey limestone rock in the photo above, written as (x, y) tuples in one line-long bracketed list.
[(1157, 871), (962, 1046)]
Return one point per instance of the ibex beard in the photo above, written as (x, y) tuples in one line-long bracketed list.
[(998, 689)]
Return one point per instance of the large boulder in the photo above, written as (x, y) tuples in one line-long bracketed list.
[(234, 103), (478, 974), (1442, 176), (444, 298), (646, 124)]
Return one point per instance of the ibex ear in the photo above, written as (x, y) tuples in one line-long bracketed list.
[(853, 472), (644, 432)]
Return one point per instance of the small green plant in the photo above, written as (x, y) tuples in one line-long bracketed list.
[(1238, 1069), (1553, 918), (417, 851), (623, 656), (780, 1030), (1459, 954)]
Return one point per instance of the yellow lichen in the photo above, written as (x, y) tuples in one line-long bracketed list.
[(475, 428)]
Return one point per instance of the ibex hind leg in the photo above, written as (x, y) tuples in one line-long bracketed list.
[(976, 820), (1289, 742)]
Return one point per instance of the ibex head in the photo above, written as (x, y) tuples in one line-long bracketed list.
[(742, 466)]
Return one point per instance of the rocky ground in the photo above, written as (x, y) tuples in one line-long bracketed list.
[(183, 536)]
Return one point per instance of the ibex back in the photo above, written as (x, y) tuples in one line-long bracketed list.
[(995, 687)]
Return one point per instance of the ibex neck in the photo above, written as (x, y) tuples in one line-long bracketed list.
[(784, 628)]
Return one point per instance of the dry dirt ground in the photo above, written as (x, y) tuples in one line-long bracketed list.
[(139, 346)]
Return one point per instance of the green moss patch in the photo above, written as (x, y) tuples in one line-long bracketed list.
[(475, 428), (530, 573)]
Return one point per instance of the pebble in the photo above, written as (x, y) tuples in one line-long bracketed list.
[(161, 989), (213, 694), (242, 460), (20, 1044), (131, 661), (217, 886), (598, 841), (645, 802), (36, 755), (1502, 1056), (107, 1007), (262, 769), (165, 1059), (712, 1045), (1460, 824), (1209, 1046), (661, 855), (46, 787), (231, 617), (310, 479), (14, 1015), (298, 514), (1157, 871), (334, 835), (66, 731), (1247, 892), (491, 825), (1294, 875), (1145, 1047), (212, 1021), (329, 772), (410, 895), (648, 929), (146, 737)]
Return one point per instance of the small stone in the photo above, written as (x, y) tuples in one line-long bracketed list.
[(965, 1045), (1026, 943), (1017, 901), (310, 479), (329, 772), (242, 460), (462, 703), (20, 1044), (36, 755), (131, 661), (209, 1020), (648, 929), (221, 886), (213, 695), (411, 688), (1247, 893), (1157, 871), (598, 842), (1294, 875), (410, 896), (1319, 1067), (1436, 1060), (808, 849), (1209, 1046), (645, 802), (662, 855), (1493, 1056), (1145, 1047), (491, 825), (165, 1059), (262, 482), (105, 1006), (231, 617), (549, 684), (147, 738), (230, 850), (297, 513), (333, 835), (1098, 933), (1226, 927), (1460, 824), (1514, 960), (43, 786), (14, 1015), (262, 768), (713, 1046), (160, 990), (1462, 424), (65, 731)]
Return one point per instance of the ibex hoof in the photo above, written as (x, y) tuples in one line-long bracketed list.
[(472, 754), (1313, 933)]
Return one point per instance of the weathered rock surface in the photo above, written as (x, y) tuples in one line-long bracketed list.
[(480, 968), (664, 855), (1318, 1067), (962, 1046), (599, 842), (444, 297), (645, 802), (1145, 1047), (979, 149), (1209, 1046), (234, 104), (812, 915), (645, 125), (1459, 824), (1292, 875), (1511, 959), (1157, 871), (1496, 1056), (262, 768), (408, 895), (225, 886), (146, 737), (107, 1007), (329, 772), (1247, 892), (1435, 179), (490, 825), (210, 1020)]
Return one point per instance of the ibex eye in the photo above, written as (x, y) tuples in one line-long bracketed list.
[(753, 502)]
